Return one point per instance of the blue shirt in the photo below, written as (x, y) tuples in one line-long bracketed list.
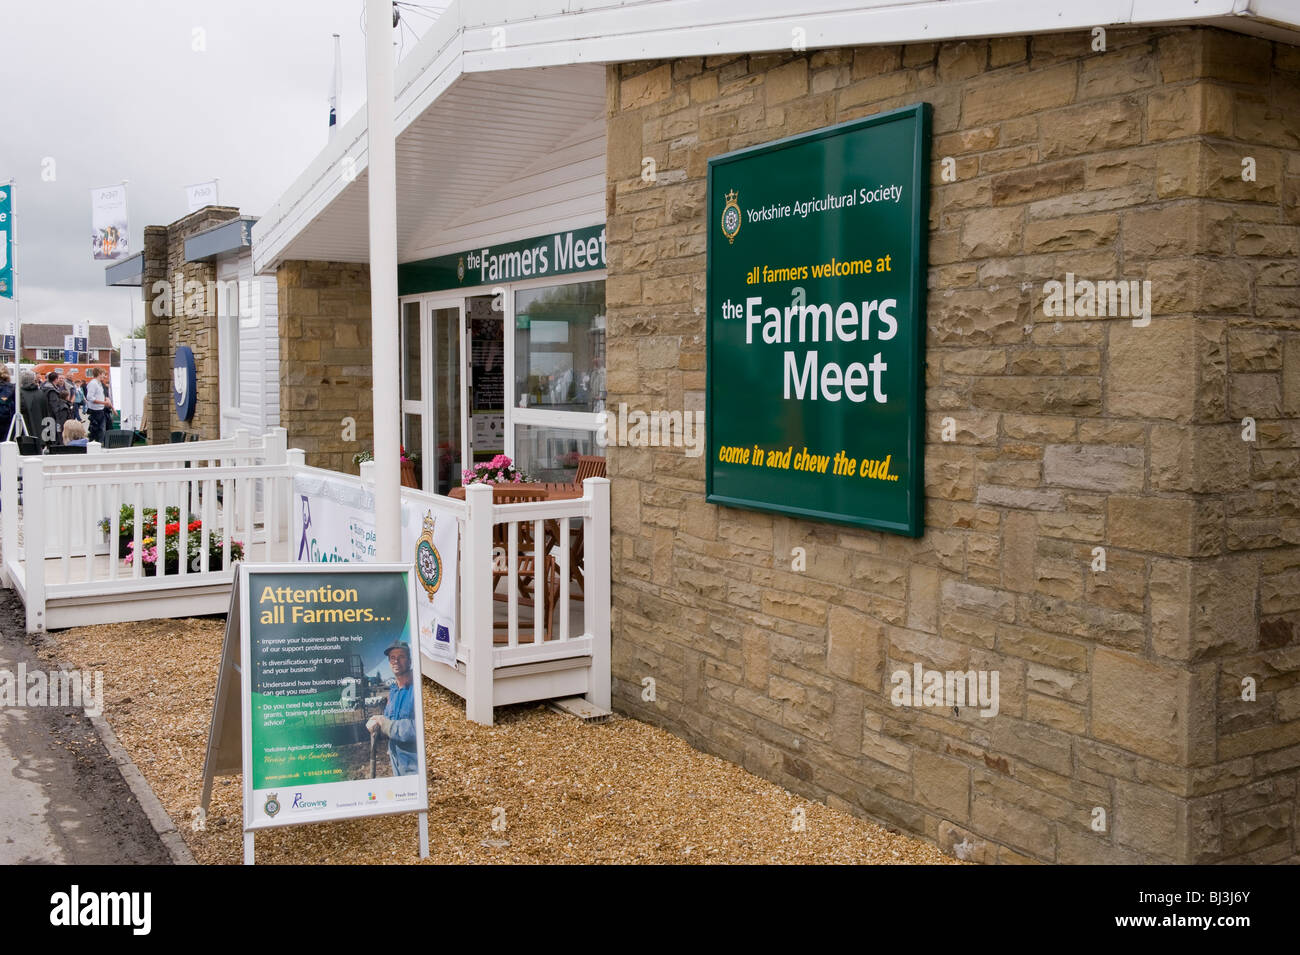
[(402, 739)]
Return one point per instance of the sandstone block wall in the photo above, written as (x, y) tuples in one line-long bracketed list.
[(325, 361), (188, 317), (1120, 689)]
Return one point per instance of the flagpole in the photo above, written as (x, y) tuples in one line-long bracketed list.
[(17, 426)]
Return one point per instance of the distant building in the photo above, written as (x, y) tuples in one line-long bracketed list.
[(199, 291), (42, 343)]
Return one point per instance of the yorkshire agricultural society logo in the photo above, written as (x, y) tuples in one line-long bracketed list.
[(460, 269), (428, 562), (272, 805), (731, 217)]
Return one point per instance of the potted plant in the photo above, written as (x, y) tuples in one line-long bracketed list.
[(169, 554), (410, 468), (126, 525), (500, 470)]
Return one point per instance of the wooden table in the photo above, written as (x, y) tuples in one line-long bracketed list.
[(555, 491)]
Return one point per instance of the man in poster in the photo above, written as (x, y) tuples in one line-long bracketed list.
[(398, 721)]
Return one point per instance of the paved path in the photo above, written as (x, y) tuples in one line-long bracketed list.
[(62, 800)]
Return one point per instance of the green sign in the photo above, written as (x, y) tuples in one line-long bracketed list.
[(560, 253), (332, 719), (816, 323), (6, 241)]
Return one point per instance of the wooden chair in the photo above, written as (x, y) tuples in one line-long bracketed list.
[(518, 494), (589, 465)]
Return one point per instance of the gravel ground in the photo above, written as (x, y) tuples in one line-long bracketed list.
[(620, 791)]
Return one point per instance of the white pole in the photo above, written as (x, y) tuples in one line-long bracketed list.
[(18, 426), (382, 159)]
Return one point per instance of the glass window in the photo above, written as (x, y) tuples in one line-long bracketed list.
[(228, 319), (560, 347), (411, 351), (551, 454)]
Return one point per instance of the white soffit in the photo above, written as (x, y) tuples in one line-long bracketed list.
[(324, 216)]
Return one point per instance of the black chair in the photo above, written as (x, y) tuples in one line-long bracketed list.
[(67, 449), (178, 437), (118, 438), (194, 437), (28, 444)]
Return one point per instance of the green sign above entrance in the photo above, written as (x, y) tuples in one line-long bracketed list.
[(560, 253), (816, 323)]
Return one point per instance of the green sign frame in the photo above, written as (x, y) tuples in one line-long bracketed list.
[(815, 401), (557, 253)]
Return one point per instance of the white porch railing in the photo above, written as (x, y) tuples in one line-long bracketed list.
[(241, 450), (68, 571)]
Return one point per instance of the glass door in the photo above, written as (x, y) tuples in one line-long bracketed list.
[(443, 467), (413, 391), (485, 385)]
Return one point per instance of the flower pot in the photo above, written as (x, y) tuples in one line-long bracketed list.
[(410, 476)]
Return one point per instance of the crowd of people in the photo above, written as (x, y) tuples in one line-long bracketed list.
[(56, 409)]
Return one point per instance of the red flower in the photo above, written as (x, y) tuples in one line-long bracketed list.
[(194, 525), (172, 528)]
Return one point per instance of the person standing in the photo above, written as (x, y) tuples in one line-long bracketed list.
[(8, 402), (59, 409), (34, 408), (98, 405), (398, 720)]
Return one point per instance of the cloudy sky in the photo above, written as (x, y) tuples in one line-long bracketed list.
[(161, 93)]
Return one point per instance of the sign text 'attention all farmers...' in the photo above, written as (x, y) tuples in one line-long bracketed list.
[(816, 323)]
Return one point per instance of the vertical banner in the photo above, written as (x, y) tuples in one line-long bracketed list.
[(201, 194), (69, 350), (333, 725), (334, 521), (9, 341), (108, 228), (6, 242), (816, 323), (81, 336)]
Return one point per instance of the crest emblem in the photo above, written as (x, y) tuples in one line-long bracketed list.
[(272, 805), (428, 562), (460, 269), (731, 217)]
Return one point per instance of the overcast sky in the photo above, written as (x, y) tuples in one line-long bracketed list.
[(114, 91)]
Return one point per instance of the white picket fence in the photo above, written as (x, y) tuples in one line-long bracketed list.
[(242, 491)]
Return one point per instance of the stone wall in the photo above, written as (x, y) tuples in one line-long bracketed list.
[(181, 314), (325, 361), (1121, 689)]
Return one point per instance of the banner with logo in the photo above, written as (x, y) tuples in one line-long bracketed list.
[(332, 715), (109, 233), (334, 521), (6, 241), (816, 323), (201, 194)]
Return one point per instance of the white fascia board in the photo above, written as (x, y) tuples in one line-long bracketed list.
[(1283, 13), (669, 29)]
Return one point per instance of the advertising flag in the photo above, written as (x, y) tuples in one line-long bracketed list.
[(6, 242), (201, 194), (109, 232)]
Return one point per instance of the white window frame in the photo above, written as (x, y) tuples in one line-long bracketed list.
[(514, 415), (228, 357)]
